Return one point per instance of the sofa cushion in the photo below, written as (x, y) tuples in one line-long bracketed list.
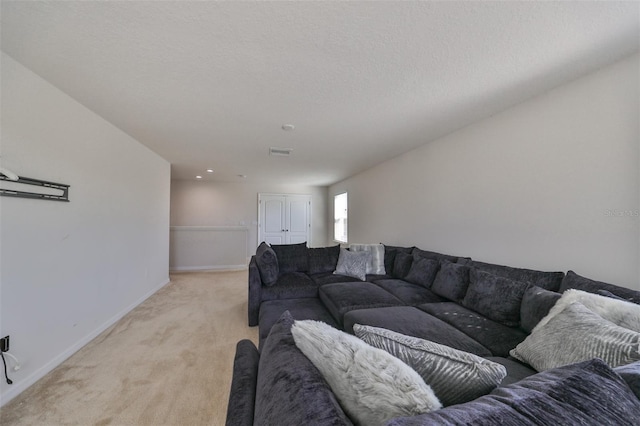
[(267, 262), (496, 337), (291, 285), (341, 298), (401, 265), (423, 272), (516, 370), (620, 312), (425, 254), (573, 280), (375, 266), (495, 297), (536, 303), (292, 257), (410, 294), (372, 385), (588, 393), (289, 387), (631, 374), (390, 256), (414, 322), (547, 280), (451, 281), (323, 259), (455, 376), (353, 264), (576, 334)]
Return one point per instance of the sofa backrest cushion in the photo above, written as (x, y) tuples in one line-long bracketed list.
[(495, 297), (547, 280), (390, 256), (267, 262), (323, 259), (423, 272), (292, 257), (290, 389), (573, 280), (579, 394), (536, 304), (451, 281), (401, 265)]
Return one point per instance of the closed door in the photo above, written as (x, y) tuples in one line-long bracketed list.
[(284, 219)]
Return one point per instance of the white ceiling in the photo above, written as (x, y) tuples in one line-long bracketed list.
[(209, 84)]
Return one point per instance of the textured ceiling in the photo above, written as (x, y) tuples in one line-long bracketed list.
[(209, 84)]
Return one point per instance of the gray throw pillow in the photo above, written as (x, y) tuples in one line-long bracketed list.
[(353, 264), (267, 262), (455, 376), (451, 281), (423, 272), (376, 261), (496, 298), (536, 304), (371, 385), (576, 334)]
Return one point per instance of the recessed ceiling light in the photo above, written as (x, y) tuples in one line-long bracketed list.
[(209, 170), (198, 177), (288, 127)]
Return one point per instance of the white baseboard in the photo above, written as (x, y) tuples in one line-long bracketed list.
[(209, 268), (20, 387)]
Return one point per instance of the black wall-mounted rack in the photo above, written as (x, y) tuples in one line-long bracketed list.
[(5, 192)]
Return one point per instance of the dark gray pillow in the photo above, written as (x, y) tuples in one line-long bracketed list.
[(451, 281), (402, 265), (290, 389), (536, 303), (496, 298), (423, 272), (390, 253), (292, 257), (267, 262), (323, 259)]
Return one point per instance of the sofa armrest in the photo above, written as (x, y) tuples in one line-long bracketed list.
[(255, 292), (242, 396)]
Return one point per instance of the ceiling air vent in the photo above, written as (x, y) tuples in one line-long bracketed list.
[(280, 152)]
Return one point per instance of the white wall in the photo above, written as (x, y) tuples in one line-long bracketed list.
[(69, 270), (202, 203), (533, 186)]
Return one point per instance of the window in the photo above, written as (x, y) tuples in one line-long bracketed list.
[(340, 214)]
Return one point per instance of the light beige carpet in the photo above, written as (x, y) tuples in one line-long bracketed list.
[(167, 362)]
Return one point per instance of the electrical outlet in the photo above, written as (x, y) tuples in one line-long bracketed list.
[(4, 344)]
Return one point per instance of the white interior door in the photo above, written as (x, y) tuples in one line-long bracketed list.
[(284, 219)]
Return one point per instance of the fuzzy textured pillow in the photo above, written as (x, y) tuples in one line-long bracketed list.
[(376, 261), (576, 334), (371, 385), (455, 376), (423, 272), (353, 264), (620, 312)]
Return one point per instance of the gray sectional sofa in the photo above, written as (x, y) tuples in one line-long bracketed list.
[(472, 306)]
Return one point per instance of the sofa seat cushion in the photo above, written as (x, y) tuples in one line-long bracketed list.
[(411, 294), (496, 337), (516, 370), (341, 298), (547, 280), (289, 387), (300, 309), (291, 285), (573, 280), (329, 278), (411, 321), (588, 393)]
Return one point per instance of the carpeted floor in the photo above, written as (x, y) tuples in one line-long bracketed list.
[(168, 362)]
